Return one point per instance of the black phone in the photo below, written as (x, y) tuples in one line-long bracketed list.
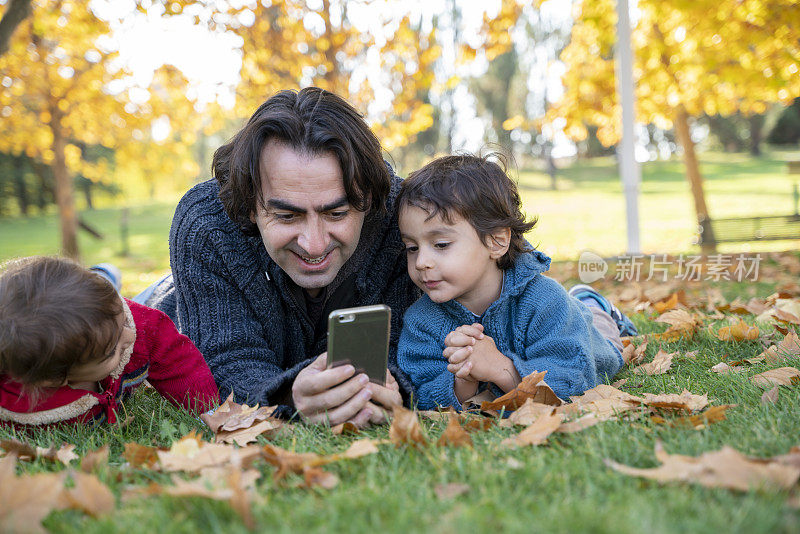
[(360, 337)]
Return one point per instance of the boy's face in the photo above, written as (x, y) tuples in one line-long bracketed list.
[(100, 369), (449, 261)]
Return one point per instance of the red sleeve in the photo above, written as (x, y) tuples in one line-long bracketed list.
[(177, 369)]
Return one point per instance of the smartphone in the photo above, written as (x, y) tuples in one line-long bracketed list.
[(360, 337)]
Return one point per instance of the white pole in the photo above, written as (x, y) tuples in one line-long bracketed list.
[(629, 168)]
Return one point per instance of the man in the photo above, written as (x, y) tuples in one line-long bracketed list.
[(298, 221)]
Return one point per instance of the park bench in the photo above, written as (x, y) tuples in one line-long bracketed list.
[(760, 228)]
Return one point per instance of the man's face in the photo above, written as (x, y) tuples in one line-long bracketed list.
[(308, 227)]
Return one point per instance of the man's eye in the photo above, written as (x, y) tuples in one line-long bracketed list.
[(340, 214), (441, 245), (284, 216)]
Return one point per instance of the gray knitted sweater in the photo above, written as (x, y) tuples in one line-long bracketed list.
[(246, 315)]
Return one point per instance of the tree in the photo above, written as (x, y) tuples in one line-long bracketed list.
[(61, 90), (15, 13), (691, 57)]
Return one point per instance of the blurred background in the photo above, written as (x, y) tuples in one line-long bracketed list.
[(111, 109)]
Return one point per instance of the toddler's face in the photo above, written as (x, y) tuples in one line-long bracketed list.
[(449, 261), (100, 369)]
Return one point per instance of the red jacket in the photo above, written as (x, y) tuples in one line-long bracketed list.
[(167, 359)]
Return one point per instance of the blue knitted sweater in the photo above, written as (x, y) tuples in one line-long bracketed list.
[(533, 322), (246, 315)]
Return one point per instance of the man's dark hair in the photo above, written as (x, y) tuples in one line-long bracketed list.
[(475, 188), (311, 121), (54, 314)]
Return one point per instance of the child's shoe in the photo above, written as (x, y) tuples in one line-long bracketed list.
[(584, 292), (109, 272)]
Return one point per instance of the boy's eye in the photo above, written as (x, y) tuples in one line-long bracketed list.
[(441, 245), (411, 248)]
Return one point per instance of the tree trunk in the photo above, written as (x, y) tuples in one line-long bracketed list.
[(19, 185), (756, 123), (16, 12), (41, 172), (64, 191), (695, 179), (86, 186)]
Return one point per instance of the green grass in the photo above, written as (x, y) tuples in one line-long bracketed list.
[(562, 486), (587, 212)]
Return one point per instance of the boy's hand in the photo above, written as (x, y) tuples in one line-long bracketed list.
[(482, 362)]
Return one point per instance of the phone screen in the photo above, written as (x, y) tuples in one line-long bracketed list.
[(360, 337)]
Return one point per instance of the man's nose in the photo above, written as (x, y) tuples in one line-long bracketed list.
[(313, 239)]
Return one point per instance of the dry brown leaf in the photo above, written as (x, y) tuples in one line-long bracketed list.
[(22, 450), (662, 362), (290, 462), (619, 383), (89, 495), (686, 401), (26, 500), (692, 355), (346, 428), (785, 317), (243, 436), (535, 434), (316, 477), (786, 349), (64, 454), (476, 401), (665, 305), (231, 416), (448, 491), (699, 421), (782, 376), (533, 387), (633, 355), (529, 412), (725, 468), (94, 459), (682, 324), (405, 429), (191, 454), (359, 448), (454, 435), (140, 455), (581, 423), (783, 330), (602, 391), (476, 423), (770, 397), (739, 331), (723, 368)]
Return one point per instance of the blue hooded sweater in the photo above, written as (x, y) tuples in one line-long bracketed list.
[(534, 322)]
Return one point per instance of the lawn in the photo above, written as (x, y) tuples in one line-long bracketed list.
[(587, 212), (560, 486)]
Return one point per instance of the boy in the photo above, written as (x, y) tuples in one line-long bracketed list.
[(488, 316), (71, 349)]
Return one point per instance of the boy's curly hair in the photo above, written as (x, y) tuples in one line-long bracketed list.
[(54, 314), (477, 189)]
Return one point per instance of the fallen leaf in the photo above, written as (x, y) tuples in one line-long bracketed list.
[(619, 383), (64, 454), (243, 436), (692, 355), (89, 495), (346, 428), (448, 491), (782, 376), (633, 355), (785, 317), (722, 368), (786, 349), (477, 400), (140, 455), (359, 448), (191, 454), (535, 434), (405, 429), (686, 401), (94, 459), (581, 423), (22, 450), (740, 331), (666, 305), (454, 435), (477, 424), (288, 461), (529, 412), (699, 421), (682, 324), (725, 468), (661, 363), (27, 499), (316, 477), (770, 397), (533, 387)]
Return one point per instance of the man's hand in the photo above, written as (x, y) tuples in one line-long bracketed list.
[(384, 399), (333, 395)]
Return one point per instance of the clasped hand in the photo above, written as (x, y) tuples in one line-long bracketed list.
[(338, 394)]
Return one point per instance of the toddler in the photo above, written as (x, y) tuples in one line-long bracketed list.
[(489, 316), (71, 349)]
